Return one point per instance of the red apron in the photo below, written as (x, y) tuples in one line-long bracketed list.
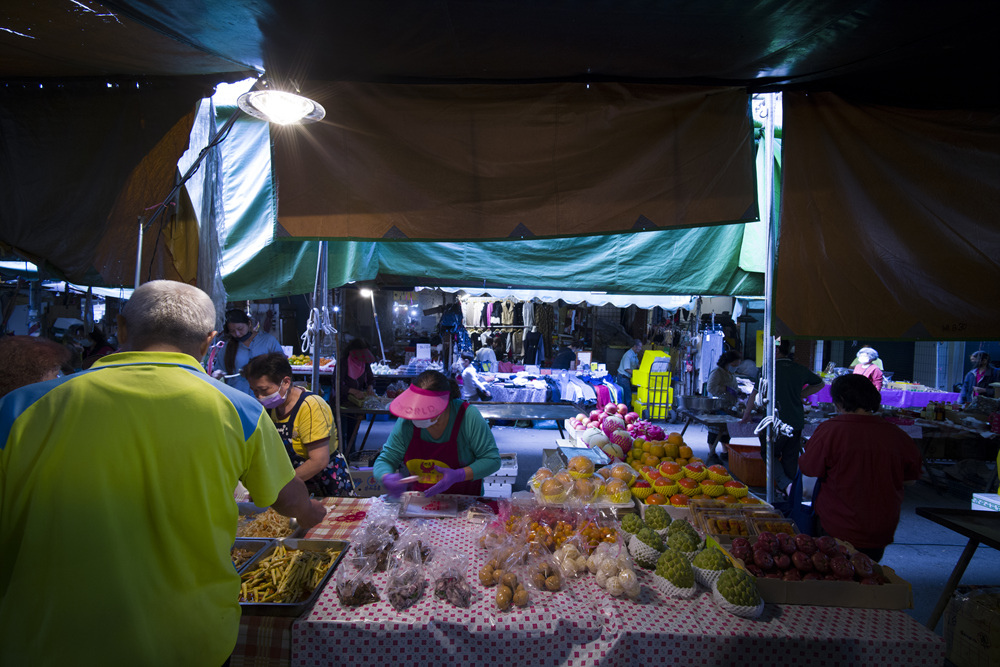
[(421, 457)]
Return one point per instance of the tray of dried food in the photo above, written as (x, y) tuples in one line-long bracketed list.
[(245, 548), (264, 522), (766, 524), (286, 578), (723, 524)]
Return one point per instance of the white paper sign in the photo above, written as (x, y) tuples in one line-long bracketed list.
[(423, 350)]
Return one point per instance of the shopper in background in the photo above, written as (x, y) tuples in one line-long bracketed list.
[(304, 422), (487, 357), (867, 366), (439, 438), (28, 359), (862, 463), (472, 387), (244, 343), (629, 363), (723, 385), (793, 383), (978, 380), (96, 346), (565, 358), (134, 463)]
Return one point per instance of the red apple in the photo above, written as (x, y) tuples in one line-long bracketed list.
[(641, 484), (622, 409), (719, 470), (733, 484)]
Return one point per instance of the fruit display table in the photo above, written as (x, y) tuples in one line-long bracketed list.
[(581, 625)]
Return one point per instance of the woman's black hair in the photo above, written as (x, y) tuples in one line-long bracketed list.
[(233, 316), (728, 357), (356, 344), (437, 381), (273, 365), (855, 391)]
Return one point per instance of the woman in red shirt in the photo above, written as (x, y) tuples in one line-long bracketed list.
[(863, 463)]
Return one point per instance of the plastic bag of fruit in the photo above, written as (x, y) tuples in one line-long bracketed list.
[(614, 570), (571, 556), (449, 572)]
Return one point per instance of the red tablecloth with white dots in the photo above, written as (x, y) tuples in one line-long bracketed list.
[(584, 625)]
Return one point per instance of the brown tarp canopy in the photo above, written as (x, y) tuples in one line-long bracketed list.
[(889, 222), (475, 162)]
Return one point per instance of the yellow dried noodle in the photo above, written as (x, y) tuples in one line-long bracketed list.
[(266, 524)]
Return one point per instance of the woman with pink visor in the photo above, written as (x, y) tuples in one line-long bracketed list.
[(442, 442)]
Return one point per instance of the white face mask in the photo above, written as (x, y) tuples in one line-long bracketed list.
[(423, 423)]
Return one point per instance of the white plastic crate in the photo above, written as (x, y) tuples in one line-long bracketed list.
[(507, 472), (497, 489)]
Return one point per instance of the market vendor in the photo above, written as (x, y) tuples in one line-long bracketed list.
[(722, 384), (304, 422), (439, 438), (359, 380), (978, 380), (244, 342), (867, 356), (862, 462)]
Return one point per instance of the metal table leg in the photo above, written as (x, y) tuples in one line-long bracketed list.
[(949, 588), (371, 422)]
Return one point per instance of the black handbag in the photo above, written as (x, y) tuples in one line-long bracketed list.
[(483, 394)]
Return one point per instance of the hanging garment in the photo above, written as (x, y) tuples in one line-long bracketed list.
[(528, 313), (507, 313)]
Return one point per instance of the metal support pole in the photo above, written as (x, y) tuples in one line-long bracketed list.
[(378, 332), (319, 310), (769, 365), (138, 254)]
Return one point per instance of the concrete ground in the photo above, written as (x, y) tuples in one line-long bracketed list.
[(923, 554)]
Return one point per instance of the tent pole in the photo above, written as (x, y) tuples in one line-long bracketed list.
[(338, 369), (138, 255), (378, 332), (319, 312), (769, 360)]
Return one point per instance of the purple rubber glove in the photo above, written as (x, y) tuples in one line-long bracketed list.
[(451, 477), (393, 487)]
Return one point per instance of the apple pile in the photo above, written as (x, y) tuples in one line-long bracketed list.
[(804, 558)]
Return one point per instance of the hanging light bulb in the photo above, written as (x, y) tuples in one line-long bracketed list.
[(276, 106)]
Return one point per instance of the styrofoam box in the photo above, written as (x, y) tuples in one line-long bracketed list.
[(497, 490), (989, 502), (508, 469)]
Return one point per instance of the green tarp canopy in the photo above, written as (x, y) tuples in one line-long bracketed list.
[(723, 259)]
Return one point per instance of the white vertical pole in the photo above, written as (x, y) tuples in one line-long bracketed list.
[(769, 358)]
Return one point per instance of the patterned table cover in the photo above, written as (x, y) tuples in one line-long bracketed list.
[(265, 641), (583, 625)]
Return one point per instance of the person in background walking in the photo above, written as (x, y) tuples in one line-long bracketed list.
[(629, 363)]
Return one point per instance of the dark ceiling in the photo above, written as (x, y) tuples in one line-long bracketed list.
[(915, 53)]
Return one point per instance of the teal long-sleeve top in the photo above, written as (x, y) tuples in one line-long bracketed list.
[(477, 448)]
